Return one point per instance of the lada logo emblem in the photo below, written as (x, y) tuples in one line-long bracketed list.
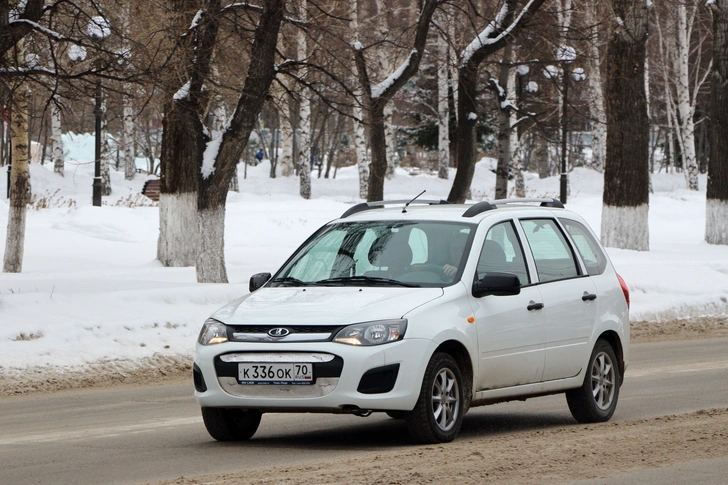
[(278, 332)]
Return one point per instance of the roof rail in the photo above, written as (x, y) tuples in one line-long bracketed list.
[(485, 205), (365, 206), (476, 209), (556, 203)]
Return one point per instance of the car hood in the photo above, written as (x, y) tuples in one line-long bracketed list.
[(323, 305)]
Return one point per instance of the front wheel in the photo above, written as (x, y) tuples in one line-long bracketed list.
[(596, 399), (229, 424), (438, 414)]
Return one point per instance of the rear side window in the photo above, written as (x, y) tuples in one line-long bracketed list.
[(551, 252), (594, 258)]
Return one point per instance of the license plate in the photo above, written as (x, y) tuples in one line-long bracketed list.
[(285, 373)]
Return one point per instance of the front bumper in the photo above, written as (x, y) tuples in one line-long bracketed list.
[(379, 378)]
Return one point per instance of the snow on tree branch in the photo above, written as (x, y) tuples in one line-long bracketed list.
[(259, 9), (210, 156), (182, 92), (485, 36), (196, 20), (378, 89), (40, 28), (494, 33)]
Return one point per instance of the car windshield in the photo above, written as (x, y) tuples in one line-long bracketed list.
[(380, 253)]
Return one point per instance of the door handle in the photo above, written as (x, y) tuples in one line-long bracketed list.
[(534, 306), (588, 296)]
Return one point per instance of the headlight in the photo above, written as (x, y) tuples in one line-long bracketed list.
[(213, 332), (372, 333)]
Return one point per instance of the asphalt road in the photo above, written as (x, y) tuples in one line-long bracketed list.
[(142, 434)]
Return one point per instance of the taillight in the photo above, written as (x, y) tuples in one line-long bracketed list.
[(625, 290)]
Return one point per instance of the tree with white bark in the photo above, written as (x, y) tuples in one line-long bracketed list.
[(685, 74), (198, 168), (626, 175), (19, 177), (361, 147), (595, 82), (716, 213), (56, 137), (53, 27), (304, 123), (443, 107)]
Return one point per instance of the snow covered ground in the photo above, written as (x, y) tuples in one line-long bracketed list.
[(91, 289)]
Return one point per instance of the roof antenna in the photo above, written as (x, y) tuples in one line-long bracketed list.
[(404, 209)]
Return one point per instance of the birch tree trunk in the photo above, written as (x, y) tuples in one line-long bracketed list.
[(443, 110), (389, 136), (686, 108), (127, 134), (716, 220), (286, 141), (127, 128), (504, 125), (19, 179), (56, 137), (516, 161), (105, 154), (362, 152), (285, 154), (384, 68), (626, 175), (596, 90), (360, 140), (304, 148)]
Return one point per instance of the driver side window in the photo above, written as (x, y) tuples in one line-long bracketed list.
[(502, 253)]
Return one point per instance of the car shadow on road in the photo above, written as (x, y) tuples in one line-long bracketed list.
[(379, 431)]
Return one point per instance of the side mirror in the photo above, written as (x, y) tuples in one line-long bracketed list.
[(258, 280), (500, 284)]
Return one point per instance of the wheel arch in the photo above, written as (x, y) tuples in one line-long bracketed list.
[(612, 337), (460, 354)]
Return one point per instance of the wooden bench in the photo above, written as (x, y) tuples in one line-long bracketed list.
[(151, 189)]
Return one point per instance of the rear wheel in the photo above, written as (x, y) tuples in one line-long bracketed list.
[(438, 414), (229, 424), (596, 399)]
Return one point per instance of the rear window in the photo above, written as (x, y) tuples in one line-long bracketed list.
[(591, 253), (551, 253)]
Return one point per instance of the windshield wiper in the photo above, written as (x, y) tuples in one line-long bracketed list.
[(365, 280), (289, 280)]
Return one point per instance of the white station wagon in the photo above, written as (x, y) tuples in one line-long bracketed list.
[(422, 310)]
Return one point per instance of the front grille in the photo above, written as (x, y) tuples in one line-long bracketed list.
[(291, 328), (297, 333)]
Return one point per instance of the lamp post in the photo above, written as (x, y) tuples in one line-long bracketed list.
[(566, 55), (98, 29)]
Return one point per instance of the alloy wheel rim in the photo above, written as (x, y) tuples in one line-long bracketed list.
[(603, 380), (445, 399)]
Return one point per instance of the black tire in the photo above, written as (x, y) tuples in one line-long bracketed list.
[(596, 399), (229, 424), (432, 420)]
